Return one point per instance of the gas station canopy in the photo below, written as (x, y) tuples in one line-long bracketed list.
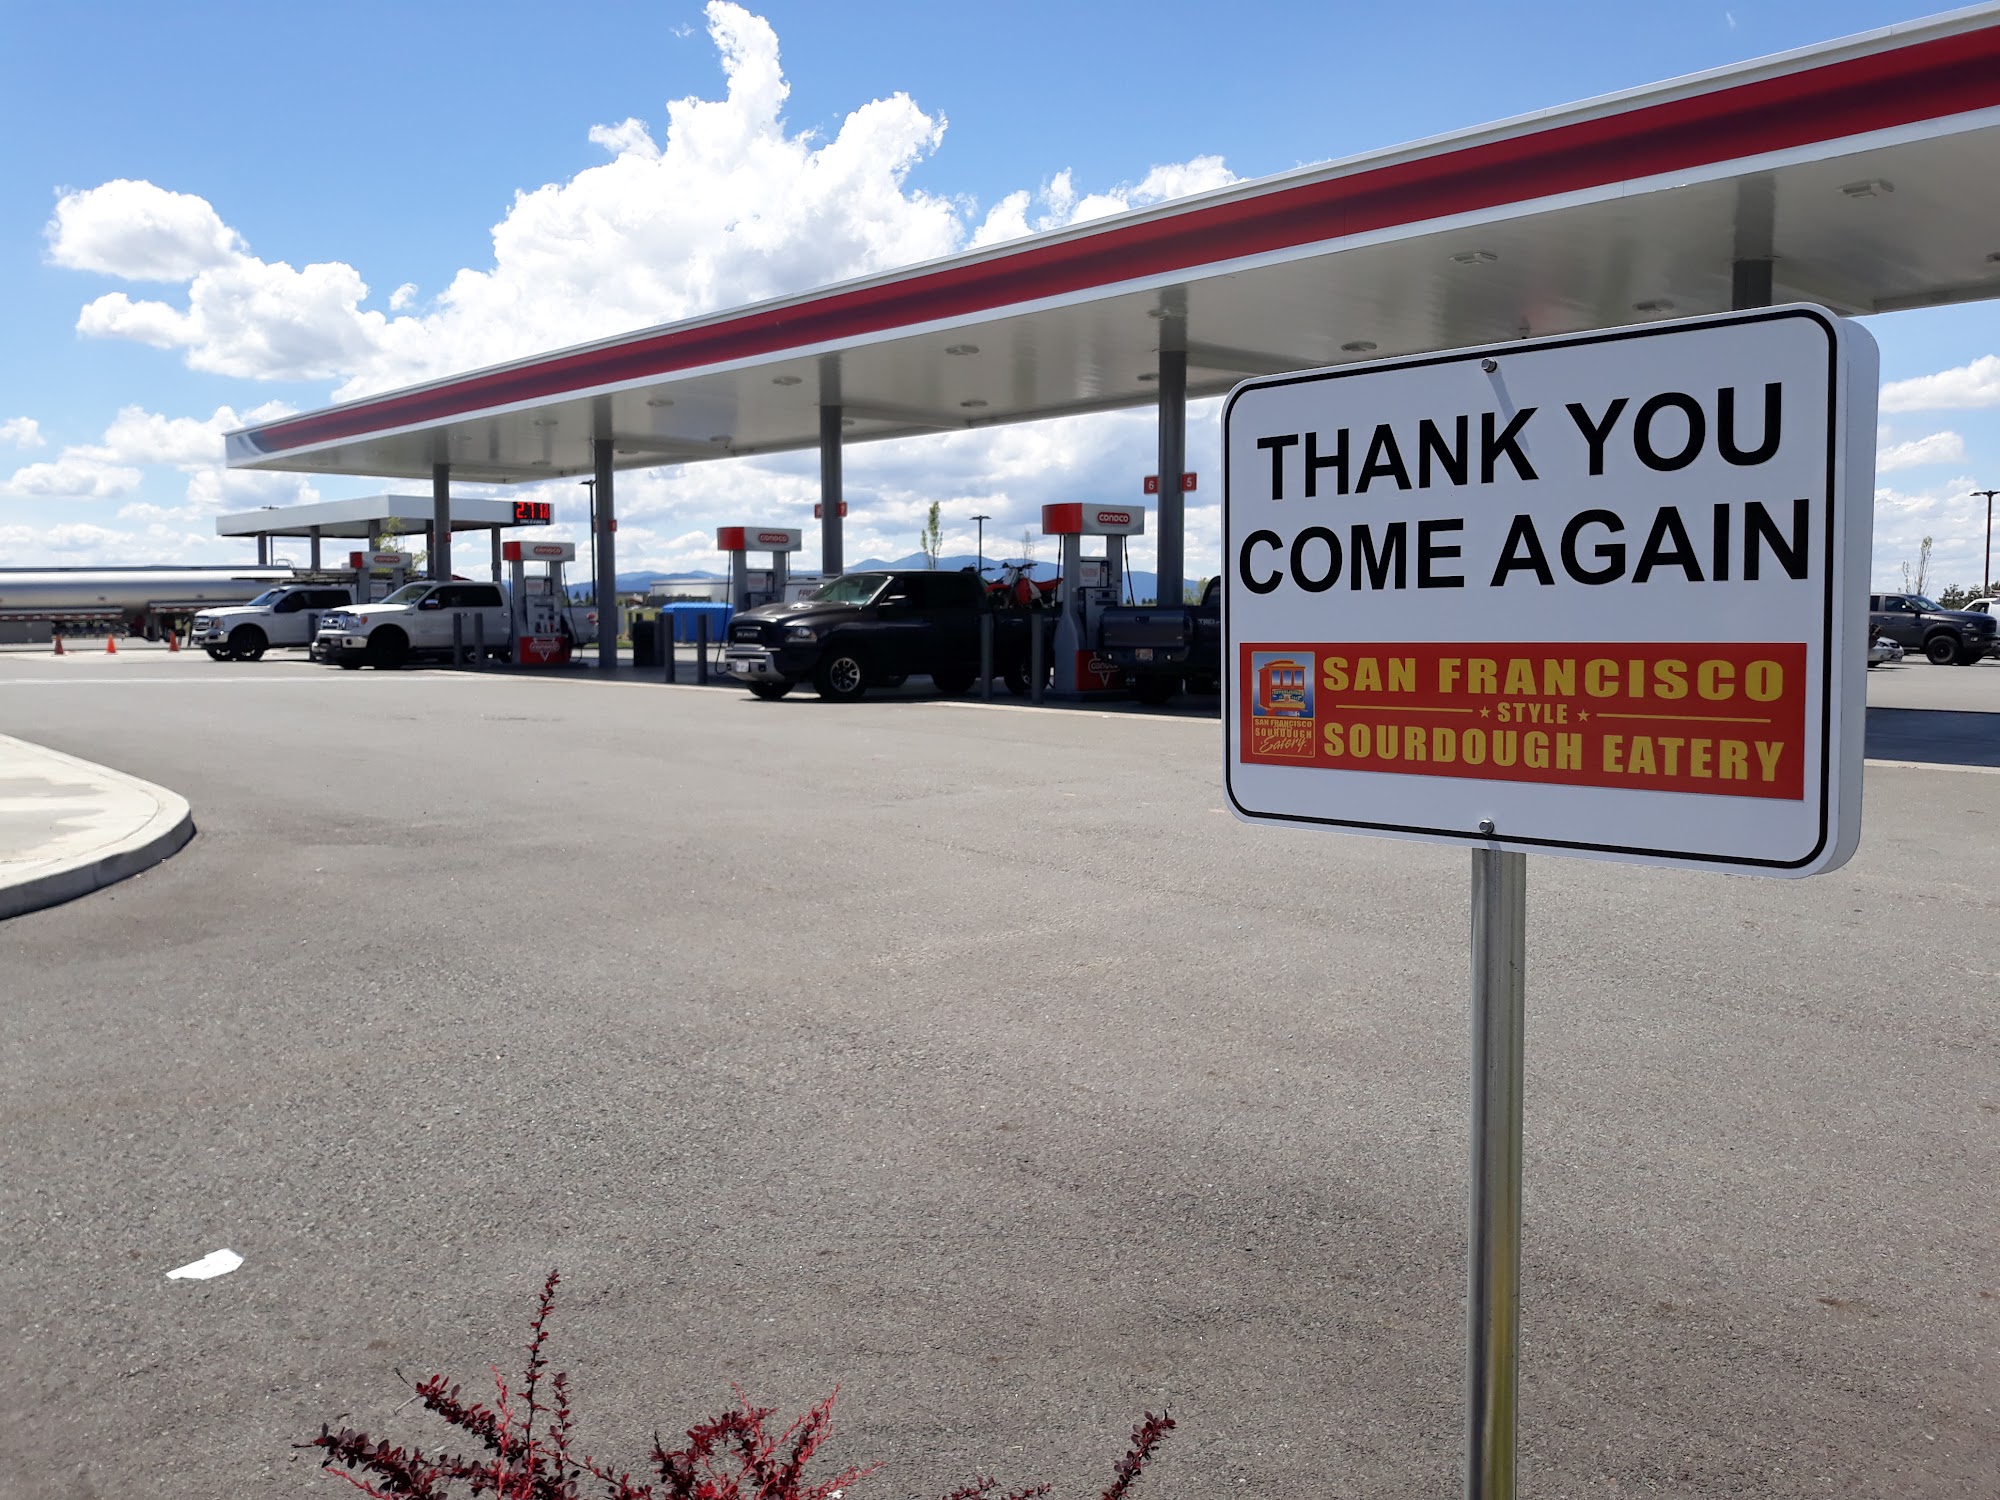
[(1858, 174), (372, 515)]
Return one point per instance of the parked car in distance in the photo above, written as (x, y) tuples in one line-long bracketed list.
[(288, 615), (1162, 647), (416, 622), (1981, 606), (1882, 649), (877, 629), (1945, 636)]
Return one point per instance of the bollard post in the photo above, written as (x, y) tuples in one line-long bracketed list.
[(663, 637), (479, 641), (457, 639), (1037, 660), (701, 647), (986, 655)]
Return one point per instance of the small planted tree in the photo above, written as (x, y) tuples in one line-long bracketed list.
[(931, 538)]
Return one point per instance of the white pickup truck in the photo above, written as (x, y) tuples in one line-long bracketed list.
[(288, 615), (415, 622)]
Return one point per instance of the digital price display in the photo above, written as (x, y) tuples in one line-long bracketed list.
[(533, 513)]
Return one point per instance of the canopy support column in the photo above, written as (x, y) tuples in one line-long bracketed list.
[(440, 558), (1749, 284), (313, 533), (607, 562), (830, 559), (1173, 460), (495, 534), (263, 551)]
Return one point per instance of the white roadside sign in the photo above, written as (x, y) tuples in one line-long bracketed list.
[(1601, 595)]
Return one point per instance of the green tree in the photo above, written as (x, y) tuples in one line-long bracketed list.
[(931, 538)]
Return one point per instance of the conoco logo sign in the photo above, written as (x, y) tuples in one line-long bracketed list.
[(544, 549), (778, 537), (1114, 518)]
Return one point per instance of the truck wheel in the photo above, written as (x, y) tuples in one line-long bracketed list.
[(954, 682), (1153, 691), (217, 653), (1941, 650), (841, 678), (388, 649), (1016, 678), (247, 643), (770, 692)]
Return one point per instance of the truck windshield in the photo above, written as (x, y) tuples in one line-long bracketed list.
[(269, 596), (409, 593), (851, 588), (1928, 606)]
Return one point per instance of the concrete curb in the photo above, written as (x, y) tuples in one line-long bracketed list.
[(161, 834)]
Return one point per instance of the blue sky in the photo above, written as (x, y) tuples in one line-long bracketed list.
[(290, 156)]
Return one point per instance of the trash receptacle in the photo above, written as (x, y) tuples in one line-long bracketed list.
[(645, 641)]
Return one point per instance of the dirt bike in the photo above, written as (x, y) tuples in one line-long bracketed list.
[(1016, 588)]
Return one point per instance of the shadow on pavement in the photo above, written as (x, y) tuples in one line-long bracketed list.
[(1934, 736)]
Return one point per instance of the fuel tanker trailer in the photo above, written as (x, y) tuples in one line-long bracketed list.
[(142, 601)]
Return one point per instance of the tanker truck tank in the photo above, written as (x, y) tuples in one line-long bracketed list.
[(137, 598)]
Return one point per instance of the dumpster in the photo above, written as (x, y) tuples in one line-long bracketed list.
[(686, 615)]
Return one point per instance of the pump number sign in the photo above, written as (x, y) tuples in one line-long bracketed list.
[(1602, 595)]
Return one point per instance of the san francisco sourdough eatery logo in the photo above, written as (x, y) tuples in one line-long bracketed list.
[(1718, 719)]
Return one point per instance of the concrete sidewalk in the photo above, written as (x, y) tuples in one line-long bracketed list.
[(68, 827)]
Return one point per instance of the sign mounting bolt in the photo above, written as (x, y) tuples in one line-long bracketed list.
[(1486, 827), (1489, 365)]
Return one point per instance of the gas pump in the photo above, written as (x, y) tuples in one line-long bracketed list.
[(539, 606), (377, 575), (748, 586), (1090, 586)]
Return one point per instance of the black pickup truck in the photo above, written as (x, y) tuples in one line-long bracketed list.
[(1945, 636), (866, 630), (1162, 647)]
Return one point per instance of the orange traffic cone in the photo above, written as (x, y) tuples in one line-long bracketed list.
[(111, 645), (59, 649), (174, 642)]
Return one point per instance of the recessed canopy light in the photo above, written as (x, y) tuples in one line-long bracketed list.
[(1654, 304), (1149, 375), (1994, 258), (720, 437), (538, 463), (784, 380), (1158, 312), (545, 421), (659, 400), (625, 450), (1869, 187), (1358, 346), (961, 348), (975, 401), (847, 421), (1475, 257)]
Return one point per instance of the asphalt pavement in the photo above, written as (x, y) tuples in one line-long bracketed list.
[(975, 1060)]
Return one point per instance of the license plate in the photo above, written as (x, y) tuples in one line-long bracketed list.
[(1144, 653)]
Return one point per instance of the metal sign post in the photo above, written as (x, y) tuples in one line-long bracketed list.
[(1600, 595), (1493, 1295)]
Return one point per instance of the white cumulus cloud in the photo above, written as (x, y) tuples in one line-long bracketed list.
[(1936, 448), (139, 232), (725, 206), (1962, 389), (22, 432), (136, 440)]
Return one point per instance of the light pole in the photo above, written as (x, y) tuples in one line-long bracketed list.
[(591, 486), (982, 520), (1986, 578)]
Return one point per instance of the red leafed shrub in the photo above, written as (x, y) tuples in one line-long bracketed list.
[(524, 1449)]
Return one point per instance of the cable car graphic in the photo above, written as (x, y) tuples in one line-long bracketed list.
[(1281, 690)]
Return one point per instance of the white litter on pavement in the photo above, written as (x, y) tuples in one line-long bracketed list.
[(215, 1263)]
